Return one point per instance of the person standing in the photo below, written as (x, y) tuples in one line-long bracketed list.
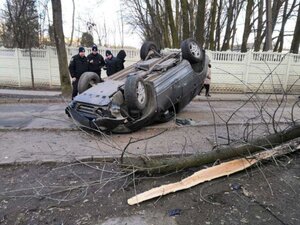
[(111, 63), (78, 65), (95, 61), (207, 80), (121, 59)]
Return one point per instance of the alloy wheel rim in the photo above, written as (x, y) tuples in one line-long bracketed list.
[(195, 49), (141, 93)]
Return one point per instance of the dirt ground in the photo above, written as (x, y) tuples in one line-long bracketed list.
[(97, 193)]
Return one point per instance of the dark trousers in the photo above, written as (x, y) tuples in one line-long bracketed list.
[(75, 88), (206, 86)]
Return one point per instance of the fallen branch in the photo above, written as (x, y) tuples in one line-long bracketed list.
[(223, 169), (220, 153)]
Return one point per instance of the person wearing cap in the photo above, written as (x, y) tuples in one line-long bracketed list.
[(78, 65), (95, 61), (111, 63)]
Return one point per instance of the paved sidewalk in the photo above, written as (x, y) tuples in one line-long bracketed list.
[(31, 93), (33, 96), (29, 96)]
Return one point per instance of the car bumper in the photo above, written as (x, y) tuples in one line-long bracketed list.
[(98, 123)]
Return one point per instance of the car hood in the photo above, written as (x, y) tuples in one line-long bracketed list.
[(100, 94)]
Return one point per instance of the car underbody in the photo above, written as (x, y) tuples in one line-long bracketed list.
[(151, 90)]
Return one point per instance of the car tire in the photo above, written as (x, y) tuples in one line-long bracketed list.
[(191, 51), (135, 93), (86, 80), (146, 47)]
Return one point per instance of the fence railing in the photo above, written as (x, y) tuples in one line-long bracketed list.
[(265, 72)]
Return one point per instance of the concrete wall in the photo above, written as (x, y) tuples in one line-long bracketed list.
[(266, 72)]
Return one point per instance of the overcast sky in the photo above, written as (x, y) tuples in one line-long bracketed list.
[(100, 11), (108, 12)]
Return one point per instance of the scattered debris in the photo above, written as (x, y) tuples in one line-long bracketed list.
[(174, 212), (235, 186), (223, 169), (184, 122)]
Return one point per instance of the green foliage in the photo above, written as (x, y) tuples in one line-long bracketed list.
[(87, 39)]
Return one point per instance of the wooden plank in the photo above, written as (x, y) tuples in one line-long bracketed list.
[(223, 169)]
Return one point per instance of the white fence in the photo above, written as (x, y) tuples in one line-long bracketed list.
[(15, 66), (266, 72), (231, 71)]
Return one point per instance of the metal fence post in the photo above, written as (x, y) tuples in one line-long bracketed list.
[(248, 58), (49, 66), (289, 56), (18, 65)]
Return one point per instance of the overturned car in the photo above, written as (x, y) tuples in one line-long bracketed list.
[(151, 90)]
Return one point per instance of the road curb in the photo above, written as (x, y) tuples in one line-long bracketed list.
[(12, 100), (60, 100)]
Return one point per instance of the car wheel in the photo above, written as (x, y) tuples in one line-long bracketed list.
[(191, 51), (87, 80), (135, 93), (146, 47)]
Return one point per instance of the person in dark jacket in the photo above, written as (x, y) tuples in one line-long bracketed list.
[(78, 65), (121, 59), (111, 63), (96, 61)]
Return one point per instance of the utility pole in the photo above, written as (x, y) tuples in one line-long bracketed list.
[(268, 44)]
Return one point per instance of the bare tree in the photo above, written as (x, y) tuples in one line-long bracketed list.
[(200, 21), (161, 20), (121, 27), (285, 16), (61, 48), (268, 42), (185, 19), (219, 24), (212, 24), (21, 28), (173, 28), (247, 25), (296, 37), (73, 20), (260, 24)]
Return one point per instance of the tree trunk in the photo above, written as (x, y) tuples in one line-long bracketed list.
[(73, 19), (236, 12), (286, 15), (272, 22), (214, 172), (185, 19), (281, 33), (258, 38), (247, 27), (174, 31), (61, 48), (200, 20), (296, 37), (191, 7), (156, 28), (219, 28), (167, 42), (213, 14), (221, 153), (268, 42), (226, 41), (178, 23), (31, 67)]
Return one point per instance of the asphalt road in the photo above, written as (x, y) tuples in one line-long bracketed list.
[(42, 132)]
